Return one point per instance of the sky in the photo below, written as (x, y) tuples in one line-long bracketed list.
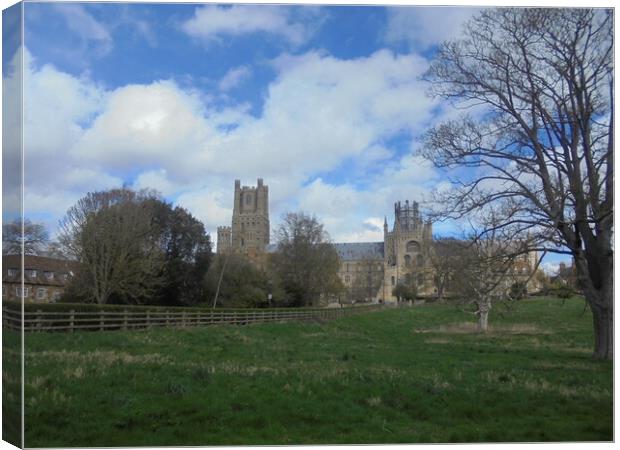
[(325, 103)]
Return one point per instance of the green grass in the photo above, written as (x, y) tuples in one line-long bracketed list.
[(408, 375)]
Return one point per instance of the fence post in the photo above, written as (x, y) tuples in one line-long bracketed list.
[(167, 319), (39, 318), (71, 320), (183, 319), (124, 319), (100, 320), (148, 318)]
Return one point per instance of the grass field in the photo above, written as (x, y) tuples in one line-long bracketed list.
[(410, 375)]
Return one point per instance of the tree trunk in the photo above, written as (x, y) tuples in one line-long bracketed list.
[(484, 306), (483, 321), (600, 299), (603, 332)]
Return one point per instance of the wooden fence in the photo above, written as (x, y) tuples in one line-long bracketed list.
[(72, 320)]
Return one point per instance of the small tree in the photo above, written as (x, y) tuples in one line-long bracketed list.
[(242, 284), (405, 292), (445, 258), (306, 261), (34, 237), (485, 266)]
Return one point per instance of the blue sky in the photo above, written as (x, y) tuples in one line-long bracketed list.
[(325, 103)]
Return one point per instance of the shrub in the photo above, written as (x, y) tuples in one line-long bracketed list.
[(518, 290), (404, 292)]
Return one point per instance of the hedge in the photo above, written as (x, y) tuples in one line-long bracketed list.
[(93, 307)]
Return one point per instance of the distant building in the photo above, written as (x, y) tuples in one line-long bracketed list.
[(369, 270), (44, 278), (249, 233)]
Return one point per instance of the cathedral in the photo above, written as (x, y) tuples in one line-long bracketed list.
[(372, 269)]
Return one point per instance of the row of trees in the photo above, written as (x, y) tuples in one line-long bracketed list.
[(302, 272), (135, 248)]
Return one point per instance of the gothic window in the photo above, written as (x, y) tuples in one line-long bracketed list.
[(420, 261), (413, 246), (248, 199), (347, 278), (393, 281), (420, 280), (407, 260)]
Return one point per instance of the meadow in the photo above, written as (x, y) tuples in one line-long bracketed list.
[(411, 375)]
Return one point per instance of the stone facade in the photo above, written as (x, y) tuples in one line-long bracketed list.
[(249, 233), (369, 270), (402, 257)]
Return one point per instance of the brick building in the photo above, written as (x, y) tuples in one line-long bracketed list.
[(44, 278)]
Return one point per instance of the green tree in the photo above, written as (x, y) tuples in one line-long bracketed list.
[(186, 250), (242, 284), (306, 262), (405, 292)]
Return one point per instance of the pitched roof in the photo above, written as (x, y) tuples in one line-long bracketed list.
[(41, 264), (349, 251), (355, 251)]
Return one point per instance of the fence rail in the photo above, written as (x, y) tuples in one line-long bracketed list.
[(73, 320)]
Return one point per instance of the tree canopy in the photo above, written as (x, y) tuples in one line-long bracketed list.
[(306, 262), (134, 247), (34, 237)]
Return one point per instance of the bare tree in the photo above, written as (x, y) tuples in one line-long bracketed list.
[(112, 236), (34, 237), (55, 249), (306, 262), (541, 142), (484, 267), (445, 258)]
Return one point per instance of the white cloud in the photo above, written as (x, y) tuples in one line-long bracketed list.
[(319, 112), (233, 78), (355, 214), (211, 22), (155, 179), (11, 136), (210, 206), (425, 26), (86, 26), (145, 125)]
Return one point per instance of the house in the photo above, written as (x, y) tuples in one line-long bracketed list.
[(44, 278)]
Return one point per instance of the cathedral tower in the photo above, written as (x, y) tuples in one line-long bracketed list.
[(250, 221), (408, 247)]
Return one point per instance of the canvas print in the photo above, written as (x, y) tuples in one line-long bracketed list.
[(258, 224)]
